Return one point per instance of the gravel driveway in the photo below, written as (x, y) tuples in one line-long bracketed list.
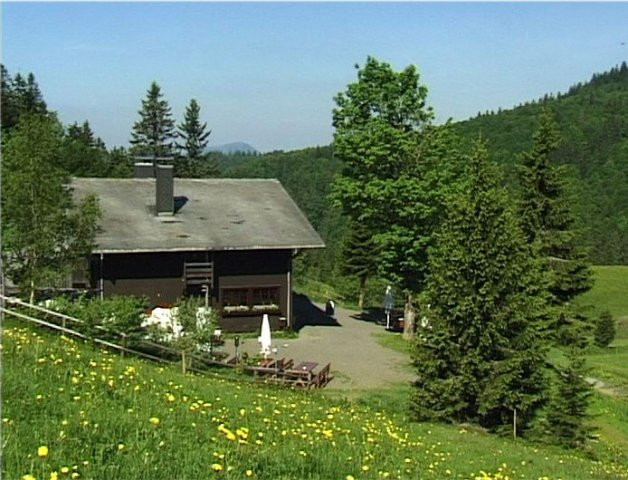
[(357, 360)]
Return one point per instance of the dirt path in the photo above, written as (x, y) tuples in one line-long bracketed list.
[(357, 360)]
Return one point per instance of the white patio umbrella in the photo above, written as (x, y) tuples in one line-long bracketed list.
[(265, 339)]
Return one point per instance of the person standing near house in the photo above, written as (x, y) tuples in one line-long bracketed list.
[(330, 308)]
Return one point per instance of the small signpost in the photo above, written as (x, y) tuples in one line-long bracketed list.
[(389, 304)]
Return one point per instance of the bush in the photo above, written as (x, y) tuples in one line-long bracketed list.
[(118, 314), (604, 330)]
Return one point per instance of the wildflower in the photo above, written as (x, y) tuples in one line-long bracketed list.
[(120, 446), (350, 477), (365, 468), (28, 477), (75, 475), (42, 451), (65, 469), (249, 473), (216, 467), (154, 420), (54, 476), (171, 397)]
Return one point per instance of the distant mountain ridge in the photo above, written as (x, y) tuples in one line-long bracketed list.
[(231, 148)]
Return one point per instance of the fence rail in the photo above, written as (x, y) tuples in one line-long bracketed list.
[(64, 319)]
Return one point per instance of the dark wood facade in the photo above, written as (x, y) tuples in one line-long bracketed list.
[(243, 284)]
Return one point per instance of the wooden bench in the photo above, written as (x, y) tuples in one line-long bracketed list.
[(323, 377)]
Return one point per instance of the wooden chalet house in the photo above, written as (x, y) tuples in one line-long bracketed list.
[(230, 240)]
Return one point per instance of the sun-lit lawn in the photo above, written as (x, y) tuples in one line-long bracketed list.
[(610, 291), (101, 416)]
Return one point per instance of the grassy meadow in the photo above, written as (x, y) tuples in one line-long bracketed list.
[(71, 411), (100, 415)]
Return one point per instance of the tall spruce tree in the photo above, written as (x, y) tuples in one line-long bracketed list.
[(153, 133), (194, 161), (359, 256), (481, 355), (547, 218)]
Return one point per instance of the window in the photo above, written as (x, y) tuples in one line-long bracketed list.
[(266, 296), (235, 297), (242, 300)]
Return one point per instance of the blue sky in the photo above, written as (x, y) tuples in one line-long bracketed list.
[(266, 73)]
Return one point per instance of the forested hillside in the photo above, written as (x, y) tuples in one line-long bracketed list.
[(593, 121)]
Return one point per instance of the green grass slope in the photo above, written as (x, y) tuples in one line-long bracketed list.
[(609, 292), (102, 416)]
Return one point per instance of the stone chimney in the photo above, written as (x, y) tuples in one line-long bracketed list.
[(143, 170), (164, 190)]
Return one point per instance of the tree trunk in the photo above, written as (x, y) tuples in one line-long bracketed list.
[(409, 319), (32, 294), (362, 293)]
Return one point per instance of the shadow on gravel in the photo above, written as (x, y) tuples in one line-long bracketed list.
[(307, 313), (371, 315)]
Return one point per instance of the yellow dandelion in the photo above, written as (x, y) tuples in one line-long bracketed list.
[(365, 468), (120, 446), (249, 473), (65, 469), (350, 477), (42, 451), (171, 397), (216, 467), (54, 476), (154, 420), (75, 475), (28, 477)]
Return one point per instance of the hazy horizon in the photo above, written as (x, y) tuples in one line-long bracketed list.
[(266, 73)]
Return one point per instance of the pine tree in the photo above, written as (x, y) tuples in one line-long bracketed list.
[(20, 96), (153, 133), (604, 330), (567, 415), (547, 215), (359, 256), (8, 109), (194, 162), (192, 132), (84, 155), (481, 355)]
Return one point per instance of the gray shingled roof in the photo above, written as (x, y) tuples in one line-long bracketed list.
[(220, 214)]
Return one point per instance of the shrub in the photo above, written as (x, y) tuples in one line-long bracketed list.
[(604, 330), (566, 416)]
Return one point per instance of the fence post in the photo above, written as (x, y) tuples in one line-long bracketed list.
[(514, 423), (124, 344), (183, 361)]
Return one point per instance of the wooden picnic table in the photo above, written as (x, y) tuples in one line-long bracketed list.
[(301, 375)]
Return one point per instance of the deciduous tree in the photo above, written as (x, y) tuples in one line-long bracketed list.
[(44, 234), (396, 169), (359, 256)]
